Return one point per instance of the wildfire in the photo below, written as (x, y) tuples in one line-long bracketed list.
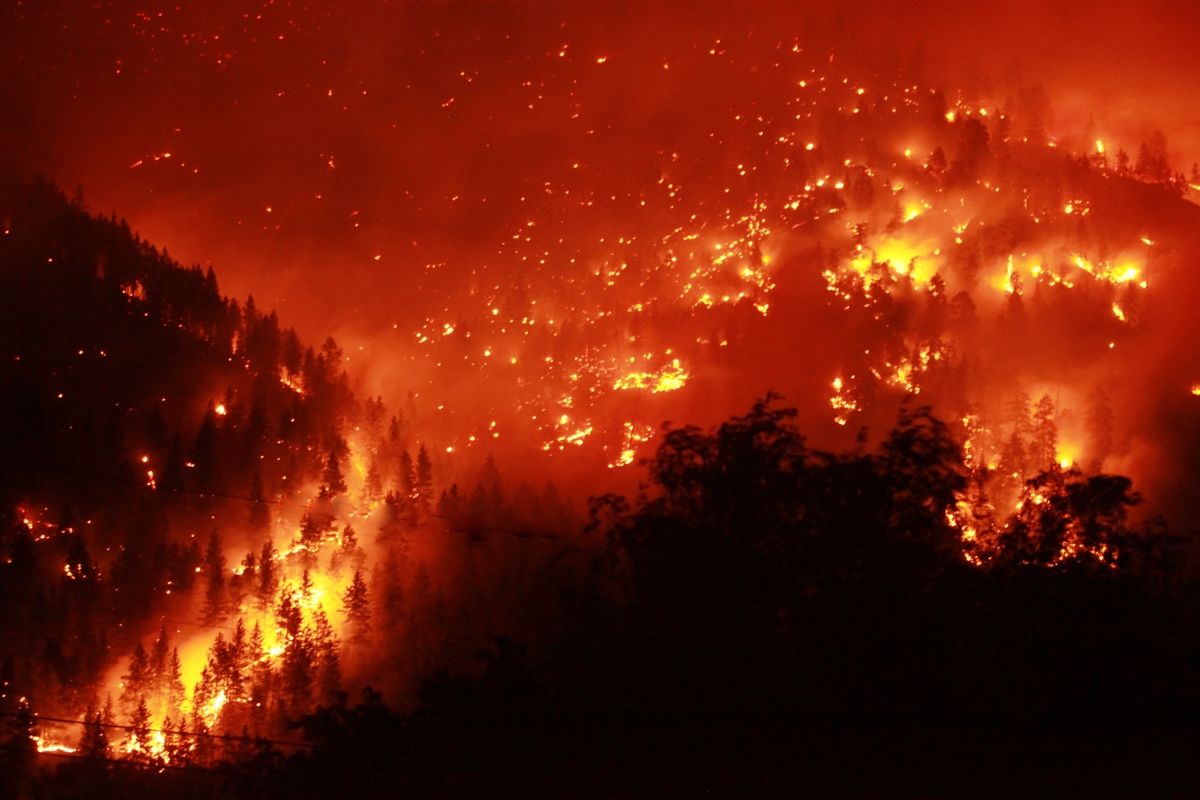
[(575, 438), (842, 404), (292, 382), (912, 210), (212, 709), (45, 744), (632, 436), (912, 245), (607, 300), (1066, 455), (668, 379), (1104, 271), (149, 745)]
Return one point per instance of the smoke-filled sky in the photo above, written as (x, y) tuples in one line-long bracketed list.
[(307, 138), (392, 172)]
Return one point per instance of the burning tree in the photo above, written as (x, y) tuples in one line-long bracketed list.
[(215, 600), (356, 606)]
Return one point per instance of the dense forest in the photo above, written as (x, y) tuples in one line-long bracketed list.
[(763, 615), (718, 407), (181, 484)]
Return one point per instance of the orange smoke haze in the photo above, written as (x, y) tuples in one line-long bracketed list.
[(471, 199)]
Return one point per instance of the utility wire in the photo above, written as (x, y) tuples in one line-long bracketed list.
[(98, 476), (157, 766), (115, 725)]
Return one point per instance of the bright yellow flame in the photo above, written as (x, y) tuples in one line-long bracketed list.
[(1125, 274), (155, 746), (668, 379), (842, 406), (1066, 454), (45, 745), (1006, 283)]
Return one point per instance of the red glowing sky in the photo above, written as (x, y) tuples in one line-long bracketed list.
[(306, 139), (363, 171)]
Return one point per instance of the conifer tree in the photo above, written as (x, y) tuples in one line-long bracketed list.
[(204, 749), (158, 660), (1045, 434), (134, 683), (327, 664), (333, 482), (268, 580), (374, 485), (169, 738), (288, 615), (140, 723), (254, 645), (423, 488), (94, 741), (356, 605), (408, 476), (79, 561), (296, 674), (215, 605), (260, 511), (175, 692)]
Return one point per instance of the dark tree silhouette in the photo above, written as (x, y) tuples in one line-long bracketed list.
[(356, 605)]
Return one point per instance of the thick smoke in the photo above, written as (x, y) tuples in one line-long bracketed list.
[(385, 173)]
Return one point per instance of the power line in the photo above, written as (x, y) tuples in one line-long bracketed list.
[(78, 473), (115, 725), (157, 766)]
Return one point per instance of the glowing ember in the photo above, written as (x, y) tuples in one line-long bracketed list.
[(841, 402), (668, 379)]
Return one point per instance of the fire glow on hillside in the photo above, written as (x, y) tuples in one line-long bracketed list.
[(543, 238)]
